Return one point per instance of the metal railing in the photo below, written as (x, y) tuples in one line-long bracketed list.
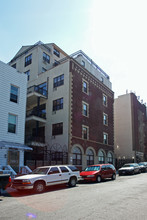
[(37, 89), (39, 114), (30, 138)]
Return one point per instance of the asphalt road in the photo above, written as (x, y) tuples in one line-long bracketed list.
[(122, 199)]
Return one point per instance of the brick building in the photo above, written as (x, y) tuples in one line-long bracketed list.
[(129, 128), (69, 107)]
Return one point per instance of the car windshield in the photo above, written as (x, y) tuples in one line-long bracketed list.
[(93, 168), (40, 171), (128, 165)]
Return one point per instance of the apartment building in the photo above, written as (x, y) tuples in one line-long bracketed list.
[(69, 106), (129, 128), (13, 88)]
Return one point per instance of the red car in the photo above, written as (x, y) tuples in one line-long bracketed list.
[(98, 172)]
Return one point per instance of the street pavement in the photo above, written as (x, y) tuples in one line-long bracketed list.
[(122, 199)]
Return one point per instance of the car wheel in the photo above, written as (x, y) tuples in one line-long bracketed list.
[(113, 176), (133, 172), (98, 179), (72, 182), (39, 187)]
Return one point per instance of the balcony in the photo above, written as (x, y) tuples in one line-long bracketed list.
[(35, 140), (35, 92), (34, 115)]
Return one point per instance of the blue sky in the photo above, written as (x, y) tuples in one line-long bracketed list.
[(112, 33)]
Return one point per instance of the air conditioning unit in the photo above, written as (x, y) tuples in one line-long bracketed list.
[(54, 112), (53, 137), (54, 89)]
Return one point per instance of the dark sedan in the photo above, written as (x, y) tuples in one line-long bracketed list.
[(143, 166), (129, 168)]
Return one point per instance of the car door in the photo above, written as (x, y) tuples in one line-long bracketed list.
[(103, 172), (109, 171), (65, 174), (54, 176)]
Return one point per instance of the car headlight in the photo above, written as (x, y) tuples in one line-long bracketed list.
[(90, 176), (26, 182)]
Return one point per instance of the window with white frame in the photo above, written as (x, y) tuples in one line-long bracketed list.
[(104, 100), (77, 156), (85, 109), (101, 157), (90, 157), (12, 120), (105, 138), (85, 132), (110, 157), (105, 119), (85, 86), (14, 94)]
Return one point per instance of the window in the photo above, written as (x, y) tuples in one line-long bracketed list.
[(58, 104), (12, 123), (101, 157), (90, 157), (42, 89), (105, 138), (28, 74), (28, 60), (14, 94), (58, 81), (102, 79), (77, 156), (85, 87), (85, 109), (64, 169), (85, 132), (104, 100), (56, 52), (110, 157), (73, 168), (14, 65), (57, 129), (54, 170), (46, 58), (83, 63), (105, 119)]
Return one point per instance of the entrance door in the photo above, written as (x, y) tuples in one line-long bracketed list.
[(13, 159)]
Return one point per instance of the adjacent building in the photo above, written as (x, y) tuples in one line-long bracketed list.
[(69, 117), (13, 88), (129, 128)]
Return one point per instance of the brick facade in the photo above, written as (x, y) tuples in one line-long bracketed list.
[(96, 109)]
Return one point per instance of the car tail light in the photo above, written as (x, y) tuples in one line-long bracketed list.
[(9, 179)]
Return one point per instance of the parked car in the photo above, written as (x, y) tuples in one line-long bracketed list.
[(129, 168), (98, 172), (143, 166), (45, 176)]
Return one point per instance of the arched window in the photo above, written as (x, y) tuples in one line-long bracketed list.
[(90, 157), (110, 157), (77, 156), (101, 156)]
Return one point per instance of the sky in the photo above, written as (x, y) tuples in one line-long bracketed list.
[(113, 33)]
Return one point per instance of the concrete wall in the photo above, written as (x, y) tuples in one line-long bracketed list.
[(123, 126)]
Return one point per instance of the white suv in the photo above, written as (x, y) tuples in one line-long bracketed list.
[(47, 176)]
